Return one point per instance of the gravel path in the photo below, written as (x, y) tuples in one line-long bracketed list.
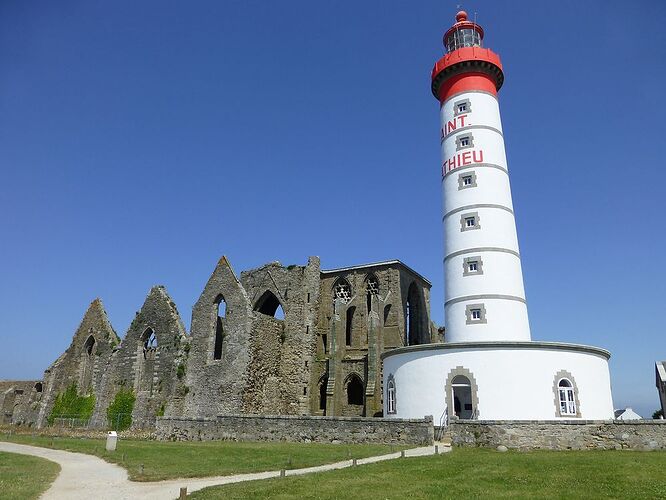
[(86, 476)]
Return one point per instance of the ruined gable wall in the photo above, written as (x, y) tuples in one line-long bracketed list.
[(152, 373), (78, 366), (215, 386), (282, 351)]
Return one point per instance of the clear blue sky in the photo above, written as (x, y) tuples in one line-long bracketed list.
[(140, 141)]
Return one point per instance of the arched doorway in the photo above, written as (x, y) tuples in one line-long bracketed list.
[(462, 397)]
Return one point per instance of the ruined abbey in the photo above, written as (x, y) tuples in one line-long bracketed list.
[(276, 340)]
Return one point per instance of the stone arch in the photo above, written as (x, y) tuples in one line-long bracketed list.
[(456, 379), (269, 305), (563, 382), (39, 387)]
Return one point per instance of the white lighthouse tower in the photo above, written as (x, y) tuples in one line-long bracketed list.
[(484, 294), (488, 367)]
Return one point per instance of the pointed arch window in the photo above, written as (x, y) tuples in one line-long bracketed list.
[(149, 340), (342, 290), (221, 308)]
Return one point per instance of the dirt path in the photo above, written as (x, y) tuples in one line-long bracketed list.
[(86, 476)]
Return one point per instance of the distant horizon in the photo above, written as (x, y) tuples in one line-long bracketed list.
[(143, 142)]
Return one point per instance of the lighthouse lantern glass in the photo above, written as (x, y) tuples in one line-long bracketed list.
[(463, 37)]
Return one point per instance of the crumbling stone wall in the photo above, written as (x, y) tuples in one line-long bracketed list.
[(146, 362), (19, 401), (84, 362), (241, 356), (282, 350), (214, 384)]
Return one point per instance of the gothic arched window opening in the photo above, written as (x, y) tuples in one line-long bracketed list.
[(269, 305), (221, 307)]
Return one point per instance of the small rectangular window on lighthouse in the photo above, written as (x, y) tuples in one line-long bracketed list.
[(464, 142), (462, 107), (466, 180), (472, 266), (475, 313), (469, 222)]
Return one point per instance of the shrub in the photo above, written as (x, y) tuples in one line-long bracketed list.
[(119, 413), (69, 404), (658, 414), (180, 371)]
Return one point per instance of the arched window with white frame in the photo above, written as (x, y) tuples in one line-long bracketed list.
[(567, 400), (567, 404), (390, 396)]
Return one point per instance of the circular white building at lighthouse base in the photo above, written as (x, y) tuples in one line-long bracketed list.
[(498, 381)]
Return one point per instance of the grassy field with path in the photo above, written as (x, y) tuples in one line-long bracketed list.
[(24, 477), (169, 460), (475, 473)]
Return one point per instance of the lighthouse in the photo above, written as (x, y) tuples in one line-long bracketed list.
[(488, 367), (484, 292)]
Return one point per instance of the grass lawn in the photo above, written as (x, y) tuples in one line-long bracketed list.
[(475, 473), (22, 476), (167, 460)]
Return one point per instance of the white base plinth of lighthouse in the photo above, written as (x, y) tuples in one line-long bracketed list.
[(498, 381)]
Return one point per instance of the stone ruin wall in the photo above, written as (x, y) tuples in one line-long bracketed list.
[(238, 357)]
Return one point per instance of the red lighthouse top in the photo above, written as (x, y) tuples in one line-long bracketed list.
[(466, 65)]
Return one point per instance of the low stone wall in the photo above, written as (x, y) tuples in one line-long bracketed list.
[(305, 429), (560, 435)]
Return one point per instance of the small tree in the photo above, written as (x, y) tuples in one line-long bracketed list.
[(658, 414), (119, 413)]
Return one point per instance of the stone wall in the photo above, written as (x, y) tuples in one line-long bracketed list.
[(560, 435), (304, 429)]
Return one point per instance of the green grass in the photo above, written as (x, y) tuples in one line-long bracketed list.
[(475, 473), (23, 476), (167, 460)]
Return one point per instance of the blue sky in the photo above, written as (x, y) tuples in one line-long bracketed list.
[(140, 141)]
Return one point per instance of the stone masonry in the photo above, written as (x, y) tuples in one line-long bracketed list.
[(560, 435), (276, 340)]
